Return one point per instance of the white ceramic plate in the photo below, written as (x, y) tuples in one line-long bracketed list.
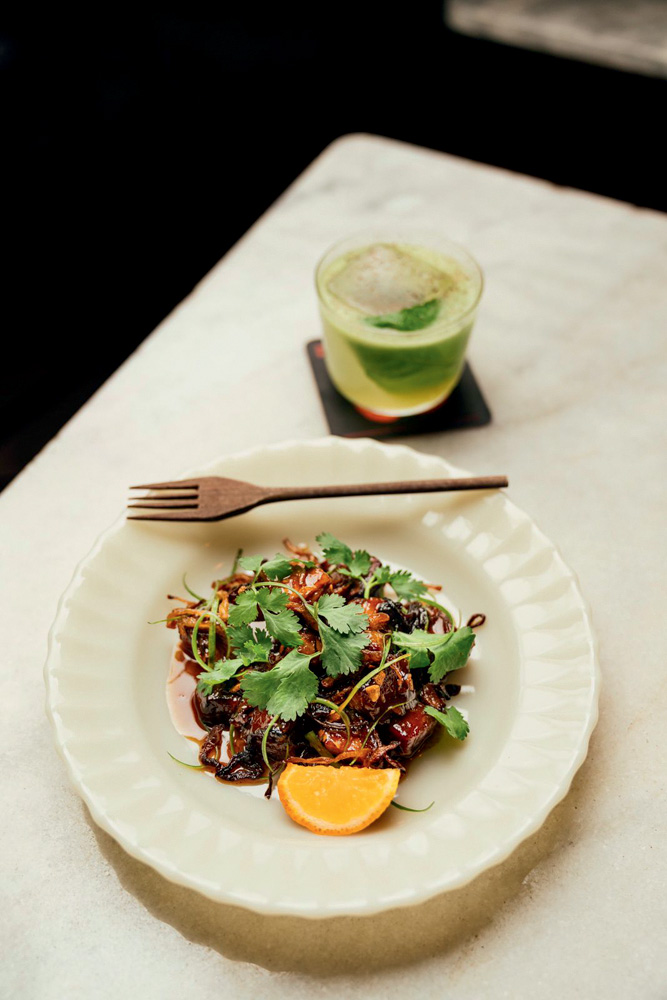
[(531, 691)]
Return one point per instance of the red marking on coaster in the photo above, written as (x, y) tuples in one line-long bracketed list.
[(383, 418), (378, 418)]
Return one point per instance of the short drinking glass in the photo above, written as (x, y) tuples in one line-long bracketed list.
[(397, 311)]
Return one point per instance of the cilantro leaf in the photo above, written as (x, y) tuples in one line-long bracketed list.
[(328, 602), (251, 563), (244, 610), (238, 635), (222, 671), (381, 576), (256, 650), (334, 550), (450, 651), (339, 554), (407, 586), (277, 568), (452, 720), (341, 616), (341, 654), (283, 626), (360, 563), (251, 647), (270, 599), (419, 658), (285, 690), (414, 318), (452, 655)]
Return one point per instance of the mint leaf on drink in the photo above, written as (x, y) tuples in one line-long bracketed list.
[(414, 318), (452, 720), (286, 689), (341, 654), (344, 618), (449, 651)]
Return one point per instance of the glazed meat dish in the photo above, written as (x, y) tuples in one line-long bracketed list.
[(327, 658)]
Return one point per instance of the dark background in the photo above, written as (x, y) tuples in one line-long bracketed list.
[(139, 147)]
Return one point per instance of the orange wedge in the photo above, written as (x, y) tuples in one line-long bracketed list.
[(336, 801)]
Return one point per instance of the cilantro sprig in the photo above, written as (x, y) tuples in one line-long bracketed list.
[(283, 689), (281, 623), (406, 586), (358, 564), (286, 689), (451, 719), (250, 648), (342, 631), (344, 618), (222, 672), (339, 554), (273, 569), (440, 653)]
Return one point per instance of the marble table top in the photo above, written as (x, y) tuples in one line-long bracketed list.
[(570, 351), (630, 36)]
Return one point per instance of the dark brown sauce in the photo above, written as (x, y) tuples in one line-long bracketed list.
[(181, 685)]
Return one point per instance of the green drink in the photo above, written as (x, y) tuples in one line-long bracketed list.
[(397, 315)]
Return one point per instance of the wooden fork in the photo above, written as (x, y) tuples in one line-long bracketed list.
[(213, 498)]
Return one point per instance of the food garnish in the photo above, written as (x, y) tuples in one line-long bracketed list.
[(336, 801), (328, 670)]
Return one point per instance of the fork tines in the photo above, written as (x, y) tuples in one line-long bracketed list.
[(183, 495)]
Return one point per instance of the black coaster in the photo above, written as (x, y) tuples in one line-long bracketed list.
[(465, 407)]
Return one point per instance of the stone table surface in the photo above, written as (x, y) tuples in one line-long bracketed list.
[(570, 351)]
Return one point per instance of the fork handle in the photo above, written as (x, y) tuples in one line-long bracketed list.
[(370, 489)]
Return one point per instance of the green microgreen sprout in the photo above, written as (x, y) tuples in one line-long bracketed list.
[(338, 709), (317, 744), (397, 805), (212, 632), (191, 592), (368, 676), (264, 740), (193, 767), (376, 723), (195, 633)]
